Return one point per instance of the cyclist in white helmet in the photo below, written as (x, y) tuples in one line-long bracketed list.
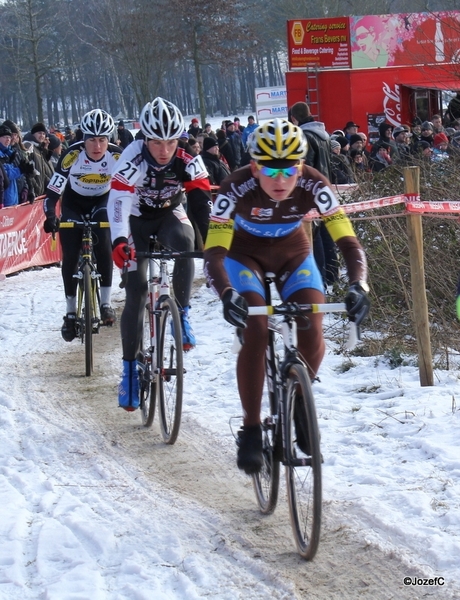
[(255, 228), (82, 179), (146, 199)]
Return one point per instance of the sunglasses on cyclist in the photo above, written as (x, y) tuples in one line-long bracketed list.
[(272, 172)]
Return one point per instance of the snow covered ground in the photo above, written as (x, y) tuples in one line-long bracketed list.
[(94, 507)]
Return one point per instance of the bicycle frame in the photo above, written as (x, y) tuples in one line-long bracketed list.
[(88, 316)]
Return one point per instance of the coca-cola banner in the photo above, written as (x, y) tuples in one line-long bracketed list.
[(23, 243), (405, 39)]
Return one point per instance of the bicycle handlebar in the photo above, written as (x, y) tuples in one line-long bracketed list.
[(298, 310), (170, 254), (83, 224)]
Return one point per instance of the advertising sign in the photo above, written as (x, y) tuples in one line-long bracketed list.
[(404, 39), (271, 102), (23, 243), (319, 42)]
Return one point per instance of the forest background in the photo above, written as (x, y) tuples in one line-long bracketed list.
[(60, 58)]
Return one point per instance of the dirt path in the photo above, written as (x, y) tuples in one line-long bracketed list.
[(202, 468)]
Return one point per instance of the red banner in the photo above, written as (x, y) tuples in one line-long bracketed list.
[(23, 243)]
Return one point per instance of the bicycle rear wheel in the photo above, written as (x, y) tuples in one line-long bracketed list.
[(147, 379), (88, 319), (266, 482), (303, 467), (171, 370)]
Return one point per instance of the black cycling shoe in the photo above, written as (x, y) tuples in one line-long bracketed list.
[(68, 330), (108, 316), (250, 458), (301, 427)]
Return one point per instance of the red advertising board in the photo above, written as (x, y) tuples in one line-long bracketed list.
[(319, 42), (23, 243), (405, 39)]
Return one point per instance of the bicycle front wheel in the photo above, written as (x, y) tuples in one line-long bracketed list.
[(88, 318), (266, 481), (147, 379), (303, 462), (171, 370)]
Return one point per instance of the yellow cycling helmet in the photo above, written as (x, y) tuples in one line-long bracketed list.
[(277, 139)]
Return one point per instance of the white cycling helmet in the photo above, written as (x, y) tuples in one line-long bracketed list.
[(98, 123), (161, 120)]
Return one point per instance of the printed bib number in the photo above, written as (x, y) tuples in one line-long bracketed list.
[(223, 207), (57, 183), (196, 168), (326, 200)]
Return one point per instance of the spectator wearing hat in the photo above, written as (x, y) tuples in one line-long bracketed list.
[(125, 137), (234, 139), (350, 129), (209, 132), (425, 150), (40, 156), (55, 148), (401, 136), (358, 165), (225, 149), (238, 127), (427, 132), (319, 157), (194, 128), (12, 170), (440, 147), (381, 159), (358, 142), (216, 168), (23, 160), (341, 172), (250, 127), (385, 137)]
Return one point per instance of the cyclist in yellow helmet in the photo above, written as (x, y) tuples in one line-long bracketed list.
[(255, 228)]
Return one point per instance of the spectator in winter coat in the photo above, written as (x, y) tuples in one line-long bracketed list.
[(234, 139), (350, 129), (238, 127), (319, 157), (249, 129), (216, 168), (341, 172), (194, 128), (40, 157), (209, 132), (124, 136), (225, 149), (55, 147), (401, 136), (381, 159), (427, 132), (7, 158), (385, 138), (23, 161)]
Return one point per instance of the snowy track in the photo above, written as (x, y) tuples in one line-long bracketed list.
[(94, 506)]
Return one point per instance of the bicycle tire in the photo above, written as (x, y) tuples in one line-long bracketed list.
[(147, 379), (88, 319), (171, 370), (266, 482), (303, 480)]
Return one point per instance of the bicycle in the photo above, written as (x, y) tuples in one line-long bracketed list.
[(291, 421), (160, 360), (88, 315)]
